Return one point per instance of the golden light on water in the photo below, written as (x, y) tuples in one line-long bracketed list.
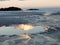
[(24, 27), (46, 28), (26, 36)]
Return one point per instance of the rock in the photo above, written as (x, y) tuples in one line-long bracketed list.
[(10, 9)]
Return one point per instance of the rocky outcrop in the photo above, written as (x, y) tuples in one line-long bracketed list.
[(33, 9), (10, 9)]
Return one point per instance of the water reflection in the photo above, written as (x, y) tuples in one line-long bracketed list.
[(24, 27), (21, 29), (25, 36)]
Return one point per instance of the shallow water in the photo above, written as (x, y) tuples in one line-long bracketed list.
[(40, 19), (11, 30), (17, 17), (35, 18)]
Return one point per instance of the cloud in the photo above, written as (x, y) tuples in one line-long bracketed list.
[(21, 0), (30, 3), (4, 0)]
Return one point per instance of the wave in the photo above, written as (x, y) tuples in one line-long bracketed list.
[(51, 13), (47, 38)]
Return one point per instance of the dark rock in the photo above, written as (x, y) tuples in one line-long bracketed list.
[(33, 9), (10, 9)]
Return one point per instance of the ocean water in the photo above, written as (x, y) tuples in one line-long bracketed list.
[(40, 19)]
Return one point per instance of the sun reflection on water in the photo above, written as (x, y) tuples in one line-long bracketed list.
[(25, 27)]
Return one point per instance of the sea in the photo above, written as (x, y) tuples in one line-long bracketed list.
[(42, 19)]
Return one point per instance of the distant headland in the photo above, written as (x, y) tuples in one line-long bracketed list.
[(15, 9), (33, 9), (10, 9)]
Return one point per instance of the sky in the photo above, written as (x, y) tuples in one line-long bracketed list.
[(29, 3)]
